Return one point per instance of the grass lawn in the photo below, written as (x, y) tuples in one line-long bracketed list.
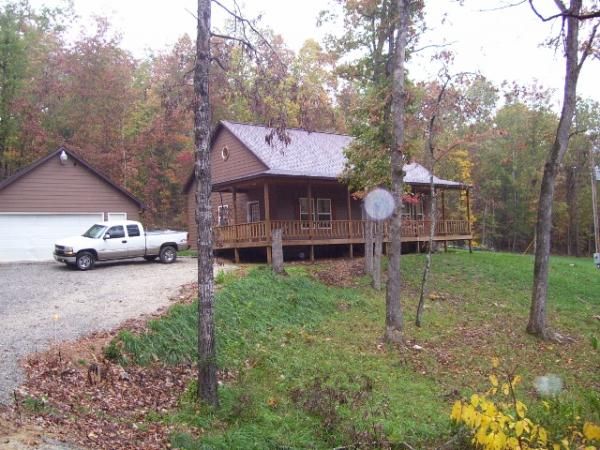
[(303, 365)]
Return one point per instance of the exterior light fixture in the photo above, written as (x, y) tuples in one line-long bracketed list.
[(63, 157)]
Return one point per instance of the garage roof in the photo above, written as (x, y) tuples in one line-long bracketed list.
[(21, 173)]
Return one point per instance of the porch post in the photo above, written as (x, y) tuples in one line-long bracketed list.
[(236, 253), (311, 222), (469, 220), (349, 205), (267, 220), (444, 220)]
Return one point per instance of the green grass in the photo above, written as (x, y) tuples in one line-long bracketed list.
[(307, 369)]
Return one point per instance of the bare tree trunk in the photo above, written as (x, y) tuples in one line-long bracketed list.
[(573, 210), (393, 316), (433, 202), (368, 245), (483, 226), (377, 255), (207, 366), (537, 315), (277, 245)]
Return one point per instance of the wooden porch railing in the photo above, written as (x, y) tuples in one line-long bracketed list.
[(293, 230)]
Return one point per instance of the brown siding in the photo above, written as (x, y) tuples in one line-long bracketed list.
[(241, 161), (69, 188)]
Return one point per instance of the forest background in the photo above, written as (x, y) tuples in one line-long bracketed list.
[(132, 118)]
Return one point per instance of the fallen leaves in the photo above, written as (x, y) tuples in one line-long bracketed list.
[(73, 393)]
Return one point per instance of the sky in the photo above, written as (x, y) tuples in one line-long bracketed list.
[(502, 44)]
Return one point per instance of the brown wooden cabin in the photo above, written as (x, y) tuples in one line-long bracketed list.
[(259, 187)]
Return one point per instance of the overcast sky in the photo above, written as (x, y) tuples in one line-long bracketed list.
[(501, 44)]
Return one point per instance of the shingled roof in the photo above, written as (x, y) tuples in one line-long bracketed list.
[(313, 154), (310, 154)]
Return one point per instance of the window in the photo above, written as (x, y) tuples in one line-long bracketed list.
[(304, 209), (322, 213), (225, 153), (413, 208), (223, 215), (95, 232), (253, 212), (133, 230), (116, 232)]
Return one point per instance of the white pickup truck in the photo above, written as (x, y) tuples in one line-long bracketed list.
[(111, 240)]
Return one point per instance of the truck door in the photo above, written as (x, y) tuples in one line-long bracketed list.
[(114, 244), (136, 243)]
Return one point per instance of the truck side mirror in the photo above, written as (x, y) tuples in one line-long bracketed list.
[(106, 236)]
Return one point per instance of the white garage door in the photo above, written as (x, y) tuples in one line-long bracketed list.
[(31, 237)]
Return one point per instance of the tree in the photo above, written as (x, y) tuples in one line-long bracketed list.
[(207, 364), (393, 316), (571, 18)]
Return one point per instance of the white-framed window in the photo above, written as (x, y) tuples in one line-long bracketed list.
[(253, 212), (321, 214), (324, 215), (223, 215), (304, 209)]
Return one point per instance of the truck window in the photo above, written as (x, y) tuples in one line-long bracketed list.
[(133, 230), (116, 232)]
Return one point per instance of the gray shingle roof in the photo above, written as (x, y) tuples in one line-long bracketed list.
[(311, 154)]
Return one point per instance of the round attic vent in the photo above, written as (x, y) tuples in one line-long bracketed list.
[(225, 153)]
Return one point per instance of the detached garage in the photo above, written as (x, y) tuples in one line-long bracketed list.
[(57, 196)]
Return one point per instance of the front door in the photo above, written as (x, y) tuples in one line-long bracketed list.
[(114, 243)]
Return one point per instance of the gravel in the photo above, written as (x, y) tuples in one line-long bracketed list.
[(44, 303)]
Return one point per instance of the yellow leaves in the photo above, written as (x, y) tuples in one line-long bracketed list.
[(519, 428), (591, 431), (494, 425), (494, 380), (495, 362), (542, 436), (456, 411), (521, 408)]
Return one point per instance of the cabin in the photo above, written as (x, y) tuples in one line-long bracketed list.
[(258, 187)]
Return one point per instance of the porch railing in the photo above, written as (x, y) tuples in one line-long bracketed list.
[(330, 230)]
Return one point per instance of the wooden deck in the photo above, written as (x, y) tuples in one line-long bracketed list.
[(297, 232)]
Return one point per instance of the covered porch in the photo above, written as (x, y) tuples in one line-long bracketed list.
[(318, 212)]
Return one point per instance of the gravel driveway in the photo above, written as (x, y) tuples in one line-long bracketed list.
[(32, 294)]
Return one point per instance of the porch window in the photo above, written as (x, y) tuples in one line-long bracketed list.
[(324, 212), (223, 215), (321, 214), (253, 213), (413, 210), (304, 217)]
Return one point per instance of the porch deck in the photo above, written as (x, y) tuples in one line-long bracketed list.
[(298, 232)]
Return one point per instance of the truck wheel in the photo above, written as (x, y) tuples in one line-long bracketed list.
[(168, 254), (85, 261)]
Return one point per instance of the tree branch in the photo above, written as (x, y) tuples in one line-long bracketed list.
[(244, 42), (425, 47), (587, 49), (499, 8), (242, 20), (564, 13), (219, 63)]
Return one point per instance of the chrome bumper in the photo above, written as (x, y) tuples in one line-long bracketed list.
[(65, 259)]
